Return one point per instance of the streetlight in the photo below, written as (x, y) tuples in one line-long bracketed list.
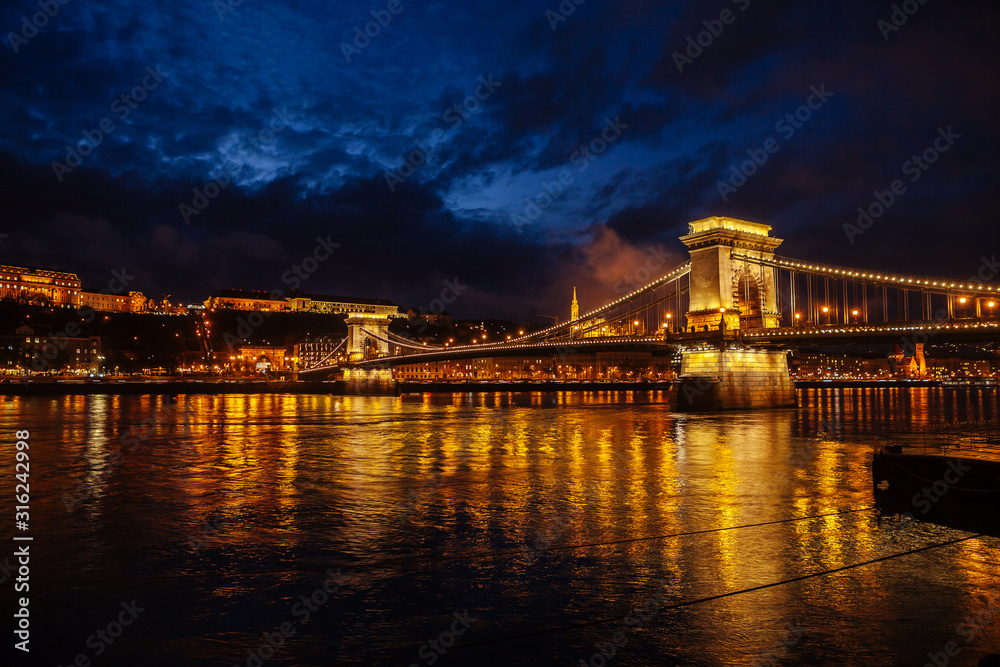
[(826, 311), (797, 318), (962, 301), (855, 314)]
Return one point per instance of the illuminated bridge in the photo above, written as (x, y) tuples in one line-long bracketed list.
[(730, 311)]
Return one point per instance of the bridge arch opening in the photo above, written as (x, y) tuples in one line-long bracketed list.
[(748, 296)]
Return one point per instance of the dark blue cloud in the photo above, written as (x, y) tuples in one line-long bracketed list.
[(348, 120)]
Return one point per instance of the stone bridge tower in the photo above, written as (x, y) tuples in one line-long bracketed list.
[(745, 290), (357, 339)]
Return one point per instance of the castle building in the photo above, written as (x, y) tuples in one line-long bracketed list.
[(232, 299), (133, 302), (39, 286)]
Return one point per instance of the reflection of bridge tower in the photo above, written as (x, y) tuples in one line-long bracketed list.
[(746, 291), (357, 337)]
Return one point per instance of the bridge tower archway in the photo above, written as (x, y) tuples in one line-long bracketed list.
[(748, 299)]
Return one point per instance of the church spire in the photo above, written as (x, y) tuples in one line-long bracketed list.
[(574, 309)]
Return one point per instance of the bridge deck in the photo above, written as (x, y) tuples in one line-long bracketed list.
[(977, 331)]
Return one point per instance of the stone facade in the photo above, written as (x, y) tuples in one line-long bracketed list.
[(725, 287), (733, 380), (357, 339)]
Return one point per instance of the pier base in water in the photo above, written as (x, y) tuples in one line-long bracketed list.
[(365, 381), (717, 379)]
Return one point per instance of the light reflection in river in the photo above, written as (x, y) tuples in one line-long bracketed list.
[(231, 508)]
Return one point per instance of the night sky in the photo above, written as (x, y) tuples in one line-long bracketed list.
[(381, 144)]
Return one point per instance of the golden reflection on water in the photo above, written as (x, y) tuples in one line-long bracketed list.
[(367, 477)]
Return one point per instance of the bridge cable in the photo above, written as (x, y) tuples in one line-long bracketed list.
[(678, 605), (627, 315), (318, 365), (676, 273), (401, 344)]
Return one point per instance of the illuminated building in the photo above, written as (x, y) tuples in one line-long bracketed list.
[(33, 349), (234, 299), (595, 327), (620, 365), (39, 286), (342, 305), (317, 351), (262, 358), (809, 365), (259, 300), (959, 368), (133, 302)]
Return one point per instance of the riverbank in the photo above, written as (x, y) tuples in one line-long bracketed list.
[(169, 387), (340, 387), (861, 384)]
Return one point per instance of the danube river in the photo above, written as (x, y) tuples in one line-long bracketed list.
[(491, 529)]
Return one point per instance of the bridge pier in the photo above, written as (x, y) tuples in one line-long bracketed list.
[(733, 379), (369, 381)]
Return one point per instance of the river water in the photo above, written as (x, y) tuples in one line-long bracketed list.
[(489, 529)]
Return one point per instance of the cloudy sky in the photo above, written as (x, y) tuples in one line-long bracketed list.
[(425, 148)]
